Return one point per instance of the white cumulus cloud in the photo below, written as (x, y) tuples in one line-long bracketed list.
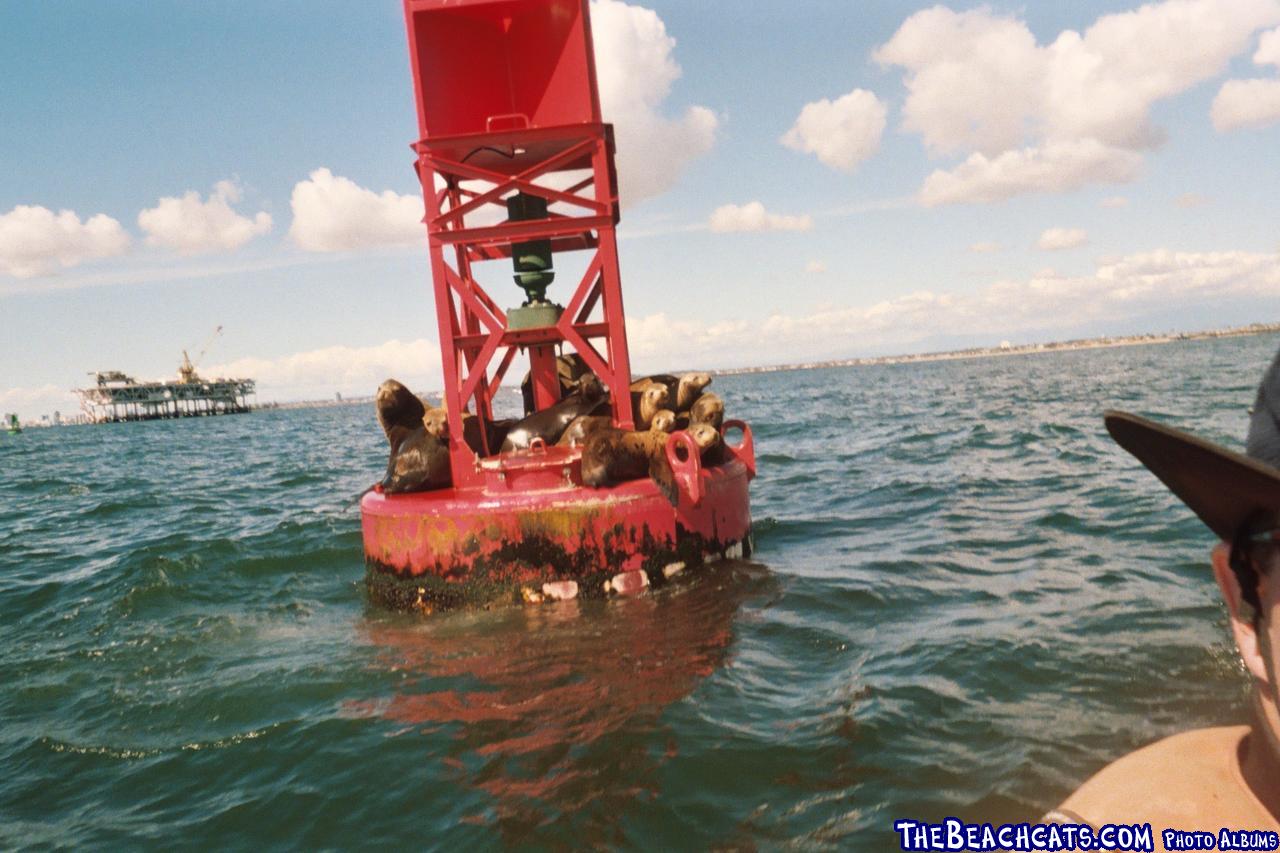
[(984, 248), (815, 267), (753, 217), (1054, 239), (841, 133), (1268, 52), (1054, 167), (334, 214), (1069, 113), (1251, 103), (191, 225), (36, 241), (1113, 202), (636, 68), (1246, 104)]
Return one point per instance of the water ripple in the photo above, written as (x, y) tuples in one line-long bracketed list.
[(968, 599)]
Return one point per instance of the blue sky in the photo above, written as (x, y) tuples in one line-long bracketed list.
[(803, 180)]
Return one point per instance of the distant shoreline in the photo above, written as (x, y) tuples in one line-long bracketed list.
[(1012, 349), (947, 355)]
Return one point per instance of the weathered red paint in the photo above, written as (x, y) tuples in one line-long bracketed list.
[(507, 103), (533, 522)]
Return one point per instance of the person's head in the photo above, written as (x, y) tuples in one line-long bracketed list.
[(1247, 570), (1238, 497)]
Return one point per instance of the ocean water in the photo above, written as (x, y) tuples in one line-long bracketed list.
[(965, 600)]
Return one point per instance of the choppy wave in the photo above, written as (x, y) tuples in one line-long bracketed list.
[(967, 600)]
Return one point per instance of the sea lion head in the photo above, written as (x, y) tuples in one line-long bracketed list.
[(590, 388), (691, 385), (705, 436), (436, 422), (664, 420), (397, 406), (656, 396), (708, 409)]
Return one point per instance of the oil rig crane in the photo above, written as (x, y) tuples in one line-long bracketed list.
[(187, 370)]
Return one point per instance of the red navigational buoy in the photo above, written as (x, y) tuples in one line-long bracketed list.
[(517, 166)]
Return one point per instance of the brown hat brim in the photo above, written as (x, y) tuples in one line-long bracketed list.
[(1224, 488)]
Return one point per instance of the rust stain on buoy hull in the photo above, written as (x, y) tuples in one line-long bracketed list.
[(457, 548)]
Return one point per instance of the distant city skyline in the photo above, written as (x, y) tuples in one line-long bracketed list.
[(806, 181)]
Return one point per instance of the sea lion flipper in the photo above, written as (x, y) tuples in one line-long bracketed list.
[(664, 478), (389, 479)]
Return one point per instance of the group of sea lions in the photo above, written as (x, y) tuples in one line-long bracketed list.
[(661, 404)]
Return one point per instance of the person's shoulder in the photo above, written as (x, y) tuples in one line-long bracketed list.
[(1188, 774)]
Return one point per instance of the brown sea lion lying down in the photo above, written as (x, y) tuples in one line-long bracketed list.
[(419, 461), (611, 456), (550, 423), (583, 427)]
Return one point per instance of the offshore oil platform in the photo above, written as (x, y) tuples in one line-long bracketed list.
[(116, 397)]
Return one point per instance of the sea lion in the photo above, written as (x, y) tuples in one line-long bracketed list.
[(436, 422), (420, 462), (647, 402), (612, 456), (657, 378), (707, 409), (684, 389), (582, 427), (710, 443), (399, 411), (551, 422), (664, 420), (689, 389), (498, 431), (570, 369)]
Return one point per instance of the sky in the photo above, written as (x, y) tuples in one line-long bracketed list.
[(806, 180)]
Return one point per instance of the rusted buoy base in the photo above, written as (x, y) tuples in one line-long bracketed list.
[(508, 585), (532, 522)]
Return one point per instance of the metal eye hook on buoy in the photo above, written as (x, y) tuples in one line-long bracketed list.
[(688, 471)]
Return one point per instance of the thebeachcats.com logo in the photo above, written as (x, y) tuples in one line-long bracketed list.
[(954, 834)]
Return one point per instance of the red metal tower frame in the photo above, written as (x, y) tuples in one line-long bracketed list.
[(507, 102)]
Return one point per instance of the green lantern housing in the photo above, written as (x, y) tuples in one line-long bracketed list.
[(531, 260)]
